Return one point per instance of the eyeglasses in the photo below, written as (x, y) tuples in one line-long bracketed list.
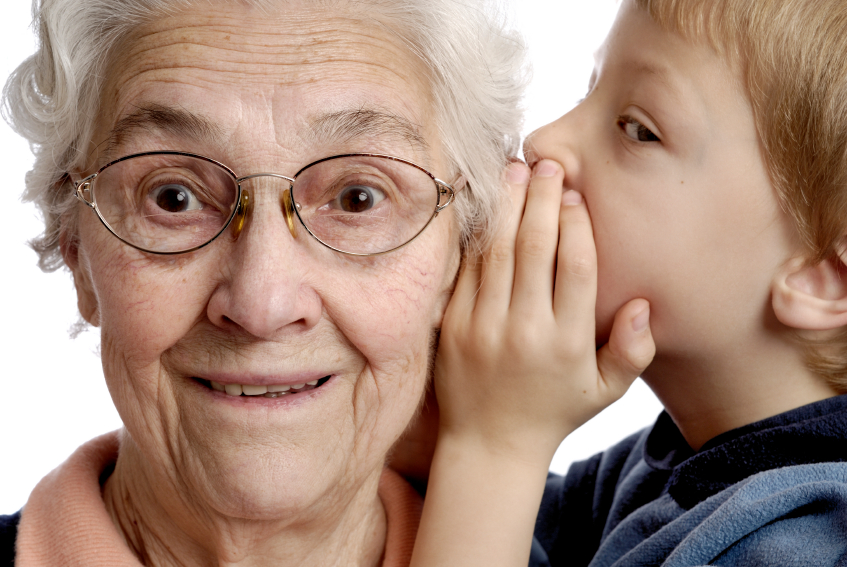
[(174, 202)]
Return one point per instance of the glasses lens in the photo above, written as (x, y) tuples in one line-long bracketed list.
[(165, 203), (364, 204)]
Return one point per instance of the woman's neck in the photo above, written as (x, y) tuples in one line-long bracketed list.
[(165, 528)]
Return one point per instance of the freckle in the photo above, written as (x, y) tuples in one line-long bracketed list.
[(585, 391), (682, 182)]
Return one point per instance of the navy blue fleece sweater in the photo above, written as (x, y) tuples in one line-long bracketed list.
[(770, 493)]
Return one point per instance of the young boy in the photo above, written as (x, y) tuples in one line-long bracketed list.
[(711, 153)]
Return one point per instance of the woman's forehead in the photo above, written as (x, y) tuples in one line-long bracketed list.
[(269, 76)]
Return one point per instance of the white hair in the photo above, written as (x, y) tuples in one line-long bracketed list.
[(476, 66)]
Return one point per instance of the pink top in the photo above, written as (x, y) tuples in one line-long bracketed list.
[(65, 522)]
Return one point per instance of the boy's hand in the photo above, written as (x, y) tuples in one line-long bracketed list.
[(517, 368)]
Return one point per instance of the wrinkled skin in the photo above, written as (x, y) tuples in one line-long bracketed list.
[(209, 478)]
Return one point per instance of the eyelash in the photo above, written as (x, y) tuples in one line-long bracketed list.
[(644, 134)]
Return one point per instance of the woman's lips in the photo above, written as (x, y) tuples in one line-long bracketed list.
[(269, 391)]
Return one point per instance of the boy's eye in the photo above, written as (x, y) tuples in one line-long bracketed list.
[(636, 130)]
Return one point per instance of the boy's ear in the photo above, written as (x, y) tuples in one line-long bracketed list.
[(811, 297), (85, 297)]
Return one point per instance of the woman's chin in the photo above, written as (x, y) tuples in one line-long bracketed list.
[(243, 457), (265, 482)]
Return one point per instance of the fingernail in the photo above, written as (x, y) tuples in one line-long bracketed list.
[(517, 174), (640, 322), (546, 168), (571, 198)]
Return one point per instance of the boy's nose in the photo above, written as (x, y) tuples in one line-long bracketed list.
[(557, 141)]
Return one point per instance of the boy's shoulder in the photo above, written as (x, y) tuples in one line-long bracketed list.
[(576, 508), (791, 516), (656, 474)]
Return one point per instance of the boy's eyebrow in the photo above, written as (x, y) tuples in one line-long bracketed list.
[(649, 69), (659, 72)]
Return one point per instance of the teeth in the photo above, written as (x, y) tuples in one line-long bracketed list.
[(250, 390), (272, 391)]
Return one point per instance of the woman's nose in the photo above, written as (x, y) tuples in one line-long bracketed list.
[(266, 280), (559, 141)]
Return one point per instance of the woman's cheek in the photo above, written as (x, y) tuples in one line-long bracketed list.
[(145, 304), (403, 301)]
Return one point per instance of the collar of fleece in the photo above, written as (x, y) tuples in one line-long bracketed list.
[(816, 433)]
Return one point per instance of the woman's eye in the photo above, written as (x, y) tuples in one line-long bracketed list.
[(636, 130), (176, 198), (358, 198)]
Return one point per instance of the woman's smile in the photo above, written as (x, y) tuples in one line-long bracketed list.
[(274, 390)]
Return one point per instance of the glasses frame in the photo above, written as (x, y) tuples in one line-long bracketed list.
[(83, 187)]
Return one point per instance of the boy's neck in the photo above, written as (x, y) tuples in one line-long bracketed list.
[(713, 395)]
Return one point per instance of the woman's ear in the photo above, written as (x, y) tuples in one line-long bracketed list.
[(811, 297), (86, 299)]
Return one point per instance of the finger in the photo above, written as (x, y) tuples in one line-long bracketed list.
[(538, 238), (498, 266), (575, 292), (463, 301), (630, 349)]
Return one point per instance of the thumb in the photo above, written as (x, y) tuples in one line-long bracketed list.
[(630, 348)]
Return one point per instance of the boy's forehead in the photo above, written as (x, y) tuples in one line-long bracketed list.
[(638, 49), (635, 35)]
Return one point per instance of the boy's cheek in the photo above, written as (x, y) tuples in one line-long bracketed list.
[(604, 318), (613, 292)]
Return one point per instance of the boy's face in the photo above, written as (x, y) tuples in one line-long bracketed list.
[(665, 150)]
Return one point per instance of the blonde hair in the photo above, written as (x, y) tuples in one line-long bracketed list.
[(793, 58)]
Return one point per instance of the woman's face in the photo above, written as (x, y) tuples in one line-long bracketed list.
[(265, 93)]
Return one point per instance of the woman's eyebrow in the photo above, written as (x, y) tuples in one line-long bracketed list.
[(153, 118), (331, 127), (346, 125)]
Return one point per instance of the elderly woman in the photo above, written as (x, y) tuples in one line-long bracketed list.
[(263, 205)]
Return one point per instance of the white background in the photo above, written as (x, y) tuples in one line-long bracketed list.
[(52, 394)]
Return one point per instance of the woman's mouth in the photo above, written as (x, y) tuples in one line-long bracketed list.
[(270, 391)]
